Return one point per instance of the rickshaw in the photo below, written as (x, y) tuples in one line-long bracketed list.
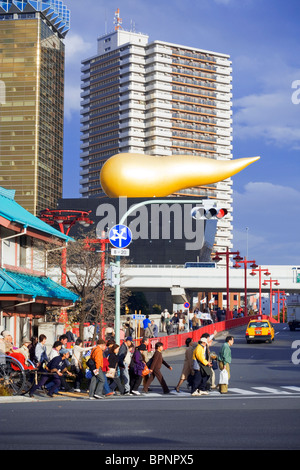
[(16, 377)]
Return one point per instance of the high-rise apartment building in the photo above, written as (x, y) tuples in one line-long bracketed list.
[(32, 100), (160, 99)]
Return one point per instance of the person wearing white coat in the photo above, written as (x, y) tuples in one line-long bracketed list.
[(76, 363)]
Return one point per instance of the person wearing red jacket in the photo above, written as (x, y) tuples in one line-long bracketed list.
[(98, 379)]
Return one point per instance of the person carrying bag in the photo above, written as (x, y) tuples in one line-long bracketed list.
[(224, 359)]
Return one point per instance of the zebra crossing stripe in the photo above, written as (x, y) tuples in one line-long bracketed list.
[(271, 390), (240, 391), (295, 389)]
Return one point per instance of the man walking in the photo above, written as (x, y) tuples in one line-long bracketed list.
[(98, 379), (224, 359), (155, 367)]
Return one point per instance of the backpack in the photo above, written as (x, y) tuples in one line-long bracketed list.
[(91, 364)]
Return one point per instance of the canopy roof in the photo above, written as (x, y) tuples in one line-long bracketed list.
[(15, 283), (12, 211)]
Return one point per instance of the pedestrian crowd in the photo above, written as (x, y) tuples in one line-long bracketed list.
[(200, 364), (183, 321), (122, 370), (109, 369)]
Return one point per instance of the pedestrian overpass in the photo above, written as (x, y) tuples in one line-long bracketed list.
[(180, 279)]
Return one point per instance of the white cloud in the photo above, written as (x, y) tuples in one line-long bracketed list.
[(267, 112), (72, 101), (77, 48), (272, 116)]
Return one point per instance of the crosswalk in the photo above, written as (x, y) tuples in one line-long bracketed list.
[(252, 391), (233, 392)]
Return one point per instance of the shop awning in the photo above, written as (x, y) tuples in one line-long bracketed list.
[(42, 287)]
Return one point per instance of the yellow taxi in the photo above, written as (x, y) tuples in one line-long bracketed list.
[(260, 330)]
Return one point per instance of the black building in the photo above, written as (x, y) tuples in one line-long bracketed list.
[(163, 232)]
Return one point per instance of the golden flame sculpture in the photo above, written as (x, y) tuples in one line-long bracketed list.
[(139, 175)]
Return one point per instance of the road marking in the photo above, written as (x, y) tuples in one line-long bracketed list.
[(242, 392), (233, 393), (295, 389), (180, 393), (270, 390)]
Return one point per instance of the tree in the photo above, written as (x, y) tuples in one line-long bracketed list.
[(84, 277)]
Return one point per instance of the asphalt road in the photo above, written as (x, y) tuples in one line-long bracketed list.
[(261, 411)]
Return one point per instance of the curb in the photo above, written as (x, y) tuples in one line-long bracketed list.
[(13, 399)]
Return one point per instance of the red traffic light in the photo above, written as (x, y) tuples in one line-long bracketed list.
[(221, 213), (200, 213)]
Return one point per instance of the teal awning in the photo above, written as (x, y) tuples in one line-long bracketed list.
[(14, 283), (11, 210)]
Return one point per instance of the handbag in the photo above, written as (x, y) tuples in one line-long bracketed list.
[(111, 373), (205, 370), (223, 380), (146, 371)]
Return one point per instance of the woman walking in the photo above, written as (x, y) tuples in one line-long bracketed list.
[(187, 369), (137, 366)]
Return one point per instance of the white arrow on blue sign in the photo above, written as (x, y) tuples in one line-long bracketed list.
[(120, 236)]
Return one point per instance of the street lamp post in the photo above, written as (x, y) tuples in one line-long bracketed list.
[(282, 299), (253, 265), (117, 262), (271, 294), (237, 258), (266, 273)]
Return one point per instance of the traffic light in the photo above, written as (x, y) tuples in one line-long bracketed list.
[(112, 276), (205, 213)]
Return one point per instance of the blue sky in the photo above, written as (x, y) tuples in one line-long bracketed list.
[(262, 38)]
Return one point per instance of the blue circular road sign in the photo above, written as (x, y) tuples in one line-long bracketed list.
[(186, 305), (120, 236)]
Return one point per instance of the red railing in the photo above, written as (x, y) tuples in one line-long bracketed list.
[(178, 340)]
